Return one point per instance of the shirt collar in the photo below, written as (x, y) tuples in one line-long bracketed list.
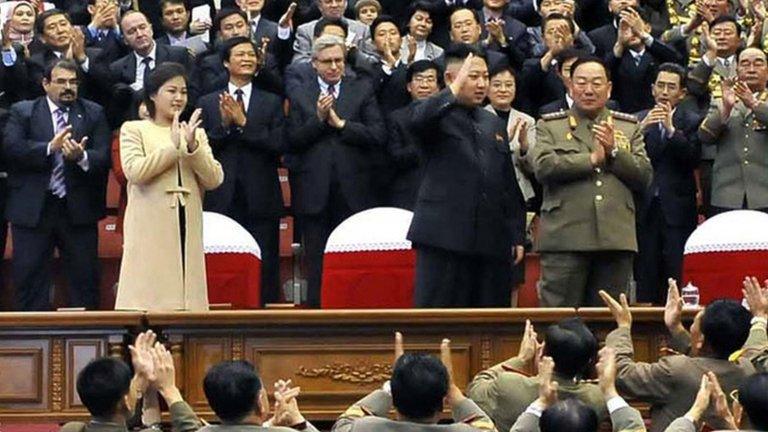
[(636, 54), (255, 21), (52, 107), (324, 86), (730, 59), (152, 54), (489, 14), (568, 100), (246, 89), (176, 40)]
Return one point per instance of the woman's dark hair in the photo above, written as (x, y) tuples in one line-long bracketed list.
[(160, 75)]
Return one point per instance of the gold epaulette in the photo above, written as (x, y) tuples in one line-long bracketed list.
[(555, 115), (624, 116)]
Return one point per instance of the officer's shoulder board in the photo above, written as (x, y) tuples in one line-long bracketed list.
[(554, 115), (624, 116)]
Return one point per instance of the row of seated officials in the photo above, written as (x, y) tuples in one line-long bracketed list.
[(714, 378)]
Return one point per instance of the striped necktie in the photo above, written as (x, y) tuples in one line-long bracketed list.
[(57, 186)]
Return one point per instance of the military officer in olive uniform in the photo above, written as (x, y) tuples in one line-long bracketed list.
[(736, 127), (589, 161)]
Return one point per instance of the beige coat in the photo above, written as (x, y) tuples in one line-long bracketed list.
[(152, 275)]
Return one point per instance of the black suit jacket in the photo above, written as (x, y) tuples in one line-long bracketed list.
[(320, 154), (537, 88), (209, 74), (117, 77), (265, 29), (404, 158), (111, 45), (674, 159), (632, 84), (604, 38), (249, 156), (26, 137), (469, 201), (518, 41), (33, 69)]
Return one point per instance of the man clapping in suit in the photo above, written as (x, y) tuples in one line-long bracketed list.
[(245, 126), (58, 155), (667, 211), (334, 129)]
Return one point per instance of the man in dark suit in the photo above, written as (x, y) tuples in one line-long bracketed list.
[(260, 27), (177, 28), (209, 73), (667, 213), (388, 70), (245, 126), (334, 128), (126, 75), (57, 147), (103, 31), (469, 213), (504, 33), (403, 147), (604, 37), (58, 39), (634, 59)]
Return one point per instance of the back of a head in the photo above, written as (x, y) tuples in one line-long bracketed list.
[(102, 384), (419, 384), (232, 389), (725, 326), (570, 415), (753, 396), (457, 52), (572, 346)]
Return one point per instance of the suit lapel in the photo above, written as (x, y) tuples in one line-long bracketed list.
[(42, 116), (129, 68), (76, 120), (342, 99)]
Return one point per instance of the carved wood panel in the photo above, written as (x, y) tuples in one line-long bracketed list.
[(23, 374), (78, 353), (200, 354)]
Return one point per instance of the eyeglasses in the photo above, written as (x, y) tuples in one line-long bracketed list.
[(331, 61), (66, 82), (424, 79)]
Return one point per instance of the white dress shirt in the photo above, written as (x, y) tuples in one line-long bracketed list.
[(247, 89), (52, 108), (139, 83)]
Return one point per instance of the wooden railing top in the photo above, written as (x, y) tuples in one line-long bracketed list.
[(340, 317)]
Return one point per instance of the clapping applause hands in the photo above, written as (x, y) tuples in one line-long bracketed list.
[(531, 350), (454, 396), (186, 130), (547, 387), (619, 309), (710, 394), (286, 407), (756, 296)]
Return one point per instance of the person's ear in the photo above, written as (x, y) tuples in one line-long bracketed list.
[(448, 77), (91, 10)]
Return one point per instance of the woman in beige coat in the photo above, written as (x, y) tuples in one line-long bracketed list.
[(169, 166)]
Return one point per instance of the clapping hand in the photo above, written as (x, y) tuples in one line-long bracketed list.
[(606, 372), (287, 411), (673, 310), (74, 150), (286, 21), (231, 111), (547, 387), (519, 132), (729, 96), (619, 309), (186, 129), (745, 95), (604, 135), (756, 297), (454, 396), (495, 28), (531, 350)]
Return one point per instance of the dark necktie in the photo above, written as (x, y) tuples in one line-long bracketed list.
[(332, 91), (56, 184), (239, 98), (147, 62)]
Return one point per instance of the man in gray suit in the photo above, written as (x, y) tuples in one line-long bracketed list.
[(737, 126), (419, 385), (357, 32)]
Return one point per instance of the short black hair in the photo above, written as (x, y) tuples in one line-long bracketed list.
[(63, 63), (567, 54), (159, 76), (420, 5), (164, 3), (229, 44), (420, 66), (500, 66), (590, 59), (322, 23), (725, 326), (726, 19), (102, 384), (557, 17), (676, 69), (570, 415), (232, 389), (572, 346), (475, 14), (460, 51), (226, 13), (40, 20), (419, 383), (753, 396), (383, 19)]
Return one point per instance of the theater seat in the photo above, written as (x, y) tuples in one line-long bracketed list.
[(369, 263)]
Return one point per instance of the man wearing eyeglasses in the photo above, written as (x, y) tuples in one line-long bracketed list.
[(57, 148), (335, 130)]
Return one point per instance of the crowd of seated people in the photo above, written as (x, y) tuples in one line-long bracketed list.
[(717, 381), (330, 90)]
